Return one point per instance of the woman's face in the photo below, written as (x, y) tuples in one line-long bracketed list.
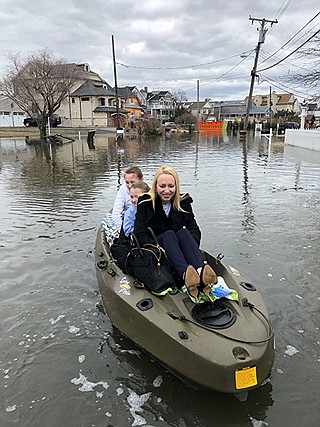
[(166, 187)]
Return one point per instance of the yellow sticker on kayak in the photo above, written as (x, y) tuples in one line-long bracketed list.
[(246, 377), (125, 286)]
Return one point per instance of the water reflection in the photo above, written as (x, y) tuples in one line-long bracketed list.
[(51, 206), (300, 156), (248, 409), (249, 220)]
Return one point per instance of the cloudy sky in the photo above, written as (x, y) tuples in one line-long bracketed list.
[(169, 44)]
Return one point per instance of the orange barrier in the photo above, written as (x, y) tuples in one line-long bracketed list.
[(210, 126)]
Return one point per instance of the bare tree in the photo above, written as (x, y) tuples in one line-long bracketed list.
[(310, 78), (38, 84), (179, 96)]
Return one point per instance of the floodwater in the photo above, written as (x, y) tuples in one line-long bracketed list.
[(63, 364)]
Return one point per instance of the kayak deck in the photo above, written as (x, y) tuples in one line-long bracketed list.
[(228, 359)]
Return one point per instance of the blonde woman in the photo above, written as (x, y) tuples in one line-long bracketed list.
[(169, 214)]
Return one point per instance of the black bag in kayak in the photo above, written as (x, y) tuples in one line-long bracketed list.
[(150, 266), (119, 251)]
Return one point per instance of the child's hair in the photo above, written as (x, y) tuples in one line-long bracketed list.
[(135, 170), (142, 185)]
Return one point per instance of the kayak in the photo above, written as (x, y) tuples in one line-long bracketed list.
[(226, 345)]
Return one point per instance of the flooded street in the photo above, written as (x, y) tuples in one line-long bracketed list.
[(62, 362)]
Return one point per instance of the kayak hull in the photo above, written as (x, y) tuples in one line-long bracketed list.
[(230, 360)]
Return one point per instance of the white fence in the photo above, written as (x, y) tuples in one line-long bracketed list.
[(307, 138)]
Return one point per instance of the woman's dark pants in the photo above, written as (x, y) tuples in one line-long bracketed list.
[(181, 250)]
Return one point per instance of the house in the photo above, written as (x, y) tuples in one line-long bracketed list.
[(204, 108), (75, 109), (279, 102), (140, 94), (10, 114), (132, 103), (94, 104), (235, 110), (312, 118), (160, 104)]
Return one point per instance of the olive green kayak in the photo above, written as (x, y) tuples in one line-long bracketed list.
[(226, 345)]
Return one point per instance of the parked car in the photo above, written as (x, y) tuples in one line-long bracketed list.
[(55, 120), (287, 125), (170, 126)]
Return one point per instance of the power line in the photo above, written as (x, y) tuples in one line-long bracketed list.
[(222, 75), (286, 68), (291, 53), (185, 66), (284, 7), (282, 86), (301, 29)]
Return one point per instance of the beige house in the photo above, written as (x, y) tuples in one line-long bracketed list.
[(279, 101), (91, 102), (94, 104), (204, 108)]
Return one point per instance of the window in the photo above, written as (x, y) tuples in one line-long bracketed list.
[(102, 102), (73, 100), (85, 99)]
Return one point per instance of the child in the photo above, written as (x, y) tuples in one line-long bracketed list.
[(123, 201), (137, 188)]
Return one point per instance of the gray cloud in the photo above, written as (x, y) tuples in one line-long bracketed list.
[(162, 35)]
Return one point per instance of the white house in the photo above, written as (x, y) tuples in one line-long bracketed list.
[(10, 113)]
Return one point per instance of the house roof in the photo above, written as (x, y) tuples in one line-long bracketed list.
[(241, 109), (133, 107), (232, 103), (284, 98), (111, 110), (279, 98), (81, 71), (126, 92), (259, 110), (194, 105), (156, 95), (91, 88), (312, 106)]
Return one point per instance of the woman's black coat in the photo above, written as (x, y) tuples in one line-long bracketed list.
[(156, 219)]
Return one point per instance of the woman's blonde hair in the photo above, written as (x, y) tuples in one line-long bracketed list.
[(153, 192)]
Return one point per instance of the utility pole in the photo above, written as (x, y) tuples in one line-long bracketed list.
[(270, 107), (115, 82), (198, 109), (262, 36)]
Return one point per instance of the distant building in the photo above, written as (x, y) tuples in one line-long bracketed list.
[(233, 110), (132, 103), (202, 108), (10, 114), (160, 104), (94, 104), (279, 102)]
